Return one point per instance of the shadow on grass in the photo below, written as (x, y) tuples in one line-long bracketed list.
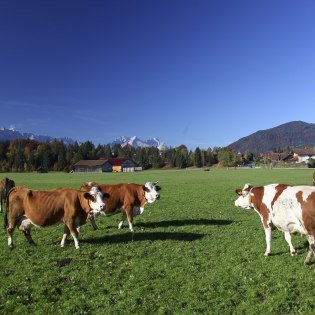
[(301, 250), (183, 223), (146, 236)]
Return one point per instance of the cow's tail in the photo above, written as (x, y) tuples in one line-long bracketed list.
[(6, 222)]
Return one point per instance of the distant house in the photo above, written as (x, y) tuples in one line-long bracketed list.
[(122, 165), (272, 156), (303, 155), (97, 166), (110, 165)]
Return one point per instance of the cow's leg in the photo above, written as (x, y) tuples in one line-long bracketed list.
[(268, 240), (65, 236), (25, 226), (287, 237), (74, 234), (311, 253), (123, 219), (27, 234), (10, 230), (0, 204), (129, 215)]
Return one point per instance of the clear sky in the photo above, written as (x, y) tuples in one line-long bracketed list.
[(200, 72)]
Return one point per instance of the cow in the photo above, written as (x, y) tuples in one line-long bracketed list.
[(5, 185), (128, 199), (27, 208), (291, 209)]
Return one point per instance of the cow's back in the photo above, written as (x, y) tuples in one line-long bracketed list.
[(120, 195), (44, 207), (290, 206)]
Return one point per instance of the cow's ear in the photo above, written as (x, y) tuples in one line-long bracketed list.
[(157, 188), (145, 188), (239, 192), (106, 196), (88, 196)]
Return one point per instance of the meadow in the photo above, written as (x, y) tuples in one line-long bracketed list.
[(193, 252)]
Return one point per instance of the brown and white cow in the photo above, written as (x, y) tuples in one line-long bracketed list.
[(5, 186), (128, 199), (27, 208), (289, 208)]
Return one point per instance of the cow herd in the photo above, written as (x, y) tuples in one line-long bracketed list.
[(26, 208), (291, 209)]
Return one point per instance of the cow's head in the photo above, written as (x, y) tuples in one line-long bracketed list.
[(151, 191), (244, 200), (96, 199)]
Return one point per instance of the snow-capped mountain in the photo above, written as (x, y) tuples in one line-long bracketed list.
[(13, 134), (136, 142)]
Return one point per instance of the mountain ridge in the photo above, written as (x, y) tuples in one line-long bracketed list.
[(290, 134), (13, 134), (137, 142), (10, 134)]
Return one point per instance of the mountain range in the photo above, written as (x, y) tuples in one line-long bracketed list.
[(136, 142), (291, 134), (13, 134)]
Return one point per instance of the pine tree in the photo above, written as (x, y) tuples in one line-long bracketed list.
[(198, 158)]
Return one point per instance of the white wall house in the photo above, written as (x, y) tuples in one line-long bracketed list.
[(303, 155)]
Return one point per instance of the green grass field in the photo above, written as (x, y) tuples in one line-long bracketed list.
[(193, 252)]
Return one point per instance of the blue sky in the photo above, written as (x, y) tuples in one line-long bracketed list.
[(200, 72)]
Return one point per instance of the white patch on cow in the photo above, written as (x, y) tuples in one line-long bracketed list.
[(286, 213), (76, 242), (243, 202), (98, 205), (63, 240), (10, 241), (152, 194), (25, 224), (131, 227)]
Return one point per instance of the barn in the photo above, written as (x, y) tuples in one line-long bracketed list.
[(109, 165)]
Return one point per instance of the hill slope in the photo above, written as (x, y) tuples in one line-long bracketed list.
[(292, 134)]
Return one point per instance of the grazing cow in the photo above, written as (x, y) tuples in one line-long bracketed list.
[(289, 208), (27, 208), (5, 186), (130, 199)]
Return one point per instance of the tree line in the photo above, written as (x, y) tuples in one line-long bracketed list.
[(29, 155)]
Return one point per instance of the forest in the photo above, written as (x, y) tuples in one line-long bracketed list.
[(29, 156)]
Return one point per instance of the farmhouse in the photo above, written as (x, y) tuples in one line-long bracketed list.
[(272, 156), (303, 155), (109, 165)]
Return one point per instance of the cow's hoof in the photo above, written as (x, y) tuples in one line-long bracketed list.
[(267, 254), (293, 253), (307, 262)]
